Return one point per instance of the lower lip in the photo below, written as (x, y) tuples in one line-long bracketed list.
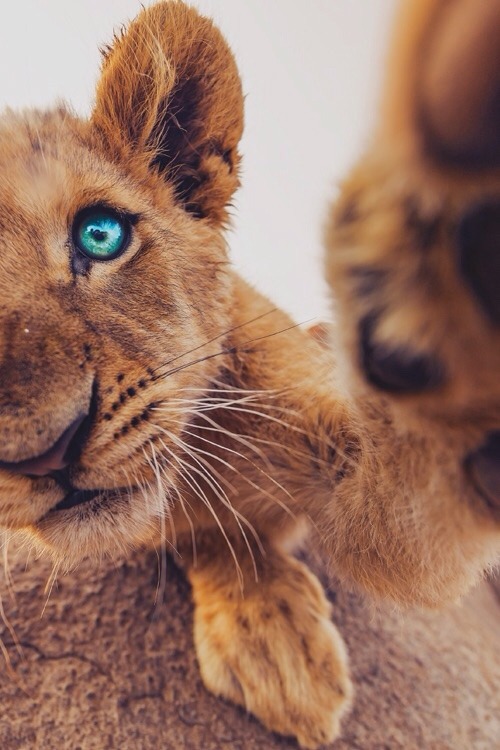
[(75, 498)]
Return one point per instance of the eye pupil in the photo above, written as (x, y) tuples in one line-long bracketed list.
[(101, 233)]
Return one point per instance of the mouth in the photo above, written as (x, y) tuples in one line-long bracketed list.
[(76, 497)]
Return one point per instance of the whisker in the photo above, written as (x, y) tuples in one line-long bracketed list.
[(238, 348), (236, 436), (160, 507), (188, 447), (209, 403), (145, 487), (215, 338), (8, 576), (260, 454), (9, 667), (221, 387), (209, 478), (247, 479), (11, 630), (263, 441), (206, 405), (183, 503), (199, 493), (160, 592), (50, 585), (255, 412)]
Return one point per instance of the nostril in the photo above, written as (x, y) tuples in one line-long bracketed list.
[(479, 255), (395, 370), (56, 458)]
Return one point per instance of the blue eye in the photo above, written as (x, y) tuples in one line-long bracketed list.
[(101, 233)]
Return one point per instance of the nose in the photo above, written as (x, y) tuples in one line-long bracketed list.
[(55, 458), (479, 255)]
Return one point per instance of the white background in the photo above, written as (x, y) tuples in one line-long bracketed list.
[(311, 72)]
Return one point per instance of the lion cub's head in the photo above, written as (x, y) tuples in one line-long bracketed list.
[(112, 281)]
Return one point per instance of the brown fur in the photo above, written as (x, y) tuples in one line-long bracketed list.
[(218, 424)]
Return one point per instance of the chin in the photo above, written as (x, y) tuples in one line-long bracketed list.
[(105, 524)]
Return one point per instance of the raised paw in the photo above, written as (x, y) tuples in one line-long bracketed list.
[(413, 244), (413, 259), (274, 650)]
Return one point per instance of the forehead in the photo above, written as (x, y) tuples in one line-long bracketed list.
[(51, 164)]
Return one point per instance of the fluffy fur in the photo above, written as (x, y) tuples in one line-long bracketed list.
[(213, 424)]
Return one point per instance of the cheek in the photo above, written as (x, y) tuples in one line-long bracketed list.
[(140, 319), (22, 501), (169, 292)]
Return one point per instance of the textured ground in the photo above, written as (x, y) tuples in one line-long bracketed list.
[(104, 668)]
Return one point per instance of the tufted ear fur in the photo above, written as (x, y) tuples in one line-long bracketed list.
[(170, 89), (443, 83)]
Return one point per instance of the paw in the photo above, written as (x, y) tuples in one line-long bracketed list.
[(413, 259), (275, 652), (413, 252)]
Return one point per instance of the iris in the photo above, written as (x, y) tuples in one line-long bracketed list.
[(101, 234)]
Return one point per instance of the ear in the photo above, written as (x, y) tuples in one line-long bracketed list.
[(170, 91), (443, 87)]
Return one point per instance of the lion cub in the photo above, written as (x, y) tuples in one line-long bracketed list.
[(149, 396)]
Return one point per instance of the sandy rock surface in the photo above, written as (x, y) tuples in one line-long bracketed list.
[(105, 668)]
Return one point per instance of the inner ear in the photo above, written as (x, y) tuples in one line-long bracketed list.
[(170, 91), (180, 125)]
